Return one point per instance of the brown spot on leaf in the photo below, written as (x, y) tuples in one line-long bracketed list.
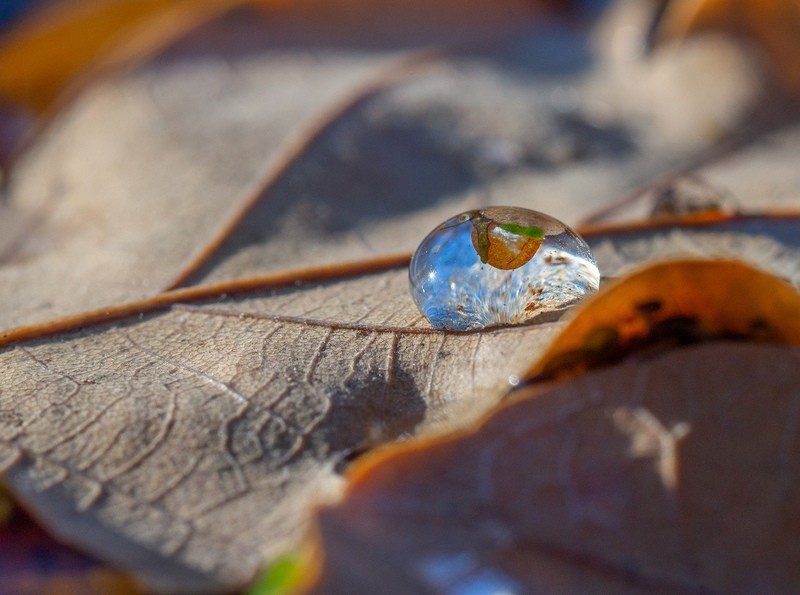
[(651, 307)]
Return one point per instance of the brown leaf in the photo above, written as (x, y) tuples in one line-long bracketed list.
[(65, 43), (755, 175), (675, 475), (773, 24), (199, 437), (771, 243), (184, 434), (680, 302), (55, 46), (341, 163), (142, 213), (190, 444)]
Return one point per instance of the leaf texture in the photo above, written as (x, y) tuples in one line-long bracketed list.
[(185, 434), (677, 474), (769, 243), (211, 143), (319, 168), (756, 176), (674, 303), (190, 444)]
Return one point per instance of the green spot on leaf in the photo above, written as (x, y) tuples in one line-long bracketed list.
[(533, 232), (278, 579)]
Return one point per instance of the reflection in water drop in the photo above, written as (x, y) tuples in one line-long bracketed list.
[(497, 266)]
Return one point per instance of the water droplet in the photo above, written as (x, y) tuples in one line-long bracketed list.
[(499, 266)]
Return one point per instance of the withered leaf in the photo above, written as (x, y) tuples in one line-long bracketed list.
[(51, 48), (774, 25), (771, 243), (758, 176), (116, 225), (341, 163), (678, 474), (57, 47), (678, 302), (187, 446), (168, 435)]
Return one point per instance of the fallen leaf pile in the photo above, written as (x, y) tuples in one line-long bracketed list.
[(205, 319)]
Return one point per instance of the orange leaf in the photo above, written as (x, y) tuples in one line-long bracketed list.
[(773, 24), (69, 40), (47, 51), (675, 302)]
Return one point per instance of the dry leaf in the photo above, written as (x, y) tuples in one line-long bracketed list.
[(771, 243), (199, 437), (757, 175), (48, 57), (773, 24), (67, 42), (298, 158), (187, 443), (681, 302), (187, 446), (110, 225), (45, 53), (678, 474)]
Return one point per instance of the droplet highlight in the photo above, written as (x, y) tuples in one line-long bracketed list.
[(499, 266)]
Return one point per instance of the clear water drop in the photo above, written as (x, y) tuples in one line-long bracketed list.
[(499, 266)]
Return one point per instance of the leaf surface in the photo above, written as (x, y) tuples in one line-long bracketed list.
[(211, 143), (63, 44), (176, 430), (675, 303), (624, 480), (191, 443), (768, 242), (269, 166), (775, 25), (758, 176), (53, 46), (341, 163)]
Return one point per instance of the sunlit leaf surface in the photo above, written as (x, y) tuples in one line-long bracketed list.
[(204, 311), (673, 474)]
